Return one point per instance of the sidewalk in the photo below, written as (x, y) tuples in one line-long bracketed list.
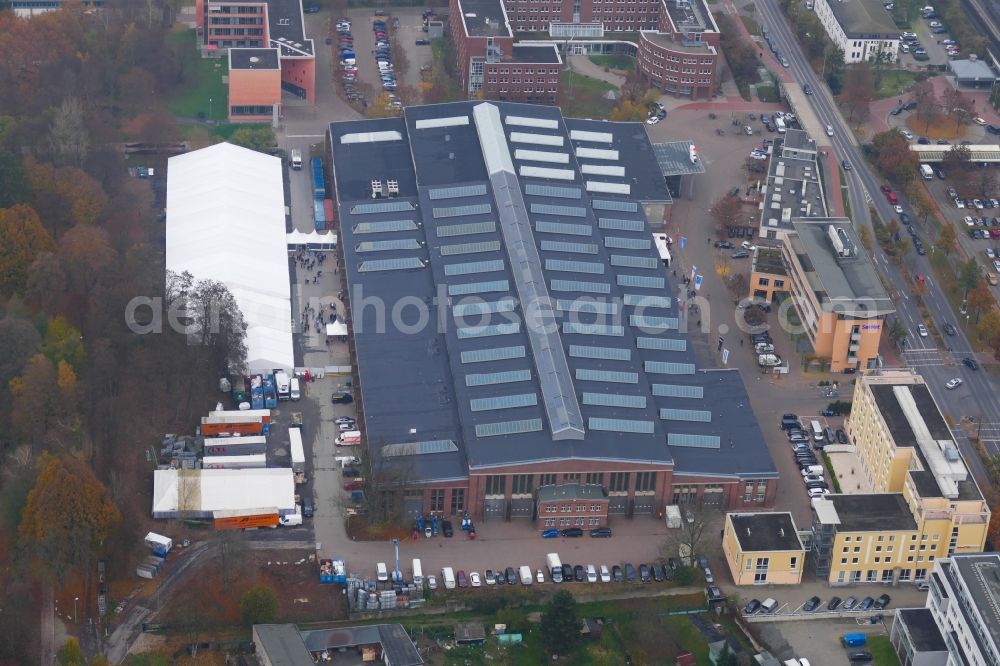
[(582, 64)]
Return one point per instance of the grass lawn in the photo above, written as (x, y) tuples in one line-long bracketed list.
[(752, 26), (620, 62), (882, 651), (583, 97), (202, 81), (895, 82), (767, 94)]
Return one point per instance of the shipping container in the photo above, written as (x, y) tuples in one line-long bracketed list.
[(255, 461), (319, 215), (319, 185), (250, 427), (328, 208), (237, 415), (235, 446), (231, 520), (298, 452)]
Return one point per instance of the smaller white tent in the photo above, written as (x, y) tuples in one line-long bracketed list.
[(199, 493), (336, 328), (315, 240)]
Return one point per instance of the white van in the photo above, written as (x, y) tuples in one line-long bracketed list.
[(294, 389), (281, 379), (817, 431), (296, 160), (527, 578), (418, 573), (591, 574), (381, 572), (448, 576), (605, 574)]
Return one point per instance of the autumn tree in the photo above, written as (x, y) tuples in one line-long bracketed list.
[(993, 531), (34, 401), (927, 102), (259, 605), (13, 184), (956, 162), (19, 341), (893, 157), (215, 320), (985, 181), (22, 239), (259, 138), (957, 105), (67, 519), (969, 276), (858, 91), (988, 328), (381, 107), (63, 343), (946, 240), (628, 110), (726, 211), (560, 625), (980, 299)]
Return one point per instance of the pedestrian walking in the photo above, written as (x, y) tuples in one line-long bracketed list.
[(741, 342)]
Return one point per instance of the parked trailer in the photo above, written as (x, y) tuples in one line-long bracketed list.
[(257, 461), (319, 186), (231, 520), (251, 426), (319, 215), (673, 516), (349, 438), (328, 209), (159, 544), (298, 453), (236, 415), (235, 446)]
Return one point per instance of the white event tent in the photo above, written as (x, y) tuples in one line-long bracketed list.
[(226, 222), (199, 493)]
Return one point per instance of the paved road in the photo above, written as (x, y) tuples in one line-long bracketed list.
[(978, 396)]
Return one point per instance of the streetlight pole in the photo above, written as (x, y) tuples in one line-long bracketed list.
[(75, 599), (209, 108)]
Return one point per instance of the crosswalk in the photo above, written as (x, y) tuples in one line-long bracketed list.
[(925, 357)]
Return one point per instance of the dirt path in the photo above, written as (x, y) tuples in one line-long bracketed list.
[(582, 64)]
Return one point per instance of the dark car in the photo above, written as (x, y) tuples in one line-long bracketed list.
[(861, 656), (579, 574), (351, 473), (644, 573), (657, 571), (752, 607), (601, 532), (567, 572), (924, 141), (812, 604), (462, 580), (866, 603), (446, 528), (499, 577), (807, 89), (949, 329), (423, 42), (572, 532), (724, 245), (341, 397), (850, 603), (629, 572), (616, 574), (846, 165), (511, 576), (841, 436), (970, 363), (882, 602), (742, 254), (832, 605)]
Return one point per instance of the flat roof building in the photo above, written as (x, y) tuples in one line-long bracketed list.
[(505, 209), (863, 29), (763, 549), (972, 71), (285, 645)]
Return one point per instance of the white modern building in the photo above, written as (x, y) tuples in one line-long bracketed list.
[(226, 222), (861, 28), (960, 625)]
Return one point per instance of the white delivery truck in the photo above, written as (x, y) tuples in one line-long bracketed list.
[(418, 573), (673, 516), (927, 172), (381, 572), (448, 576), (298, 453), (555, 567), (296, 160), (779, 124), (281, 380), (526, 576)]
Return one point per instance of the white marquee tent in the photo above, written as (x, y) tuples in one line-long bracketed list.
[(226, 222), (199, 493)]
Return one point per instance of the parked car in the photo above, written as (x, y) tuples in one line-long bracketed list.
[(882, 602), (474, 579), (644, 573), (600, 532), (446, 528), (630, 572), (841, 436), (511, 576), (489, 577), (850, 603), (752, 607), (616, 573), (811, 604), (657, 571), (550, 533), (462, 580), (861, 656), (572, 532), (579, 574), (833, 603), (866, 603)]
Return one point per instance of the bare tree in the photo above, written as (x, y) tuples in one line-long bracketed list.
[(927, 102), (68, 134), (230, 553), (693, 539)]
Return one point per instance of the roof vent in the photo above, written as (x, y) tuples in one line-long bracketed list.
[(376, 189), (254, 59), (781, 531), (451, 156), (393, 187)]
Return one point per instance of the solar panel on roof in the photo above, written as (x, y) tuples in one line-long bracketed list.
[(631, 261), (645, 321), (490, 378), (615, 400), (492, 354), (643, 301), (678, 391), (461, 211), (552, 209), (546, 227), (618, 224), (541, 156), (606, 204), (481, 308), (621, 425), (553, 191), (381, 207), (596, 153), (419, 448), (603, 170), (400, 264), (530, 171), (466, 229), (569, 247), (508, 328), (470, 248), (697, 415), (527, 121), (608, 330), (457, 192), (478, 287), (585, 305), (693, 441), (537, 139), (504, 402), (668, 368), (567, 266), (384, 227), (610, 376), (585, 287), (628, 243), (431, 123), (387, 245), (608, 188), (508, 427), (661, 344), (603, 353), (474, 267), (595, 137), (641, 281)]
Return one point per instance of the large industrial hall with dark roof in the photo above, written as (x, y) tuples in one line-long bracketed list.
[(513, 325)]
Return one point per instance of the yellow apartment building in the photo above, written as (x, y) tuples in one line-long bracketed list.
[(763, 549), (925, 503)]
